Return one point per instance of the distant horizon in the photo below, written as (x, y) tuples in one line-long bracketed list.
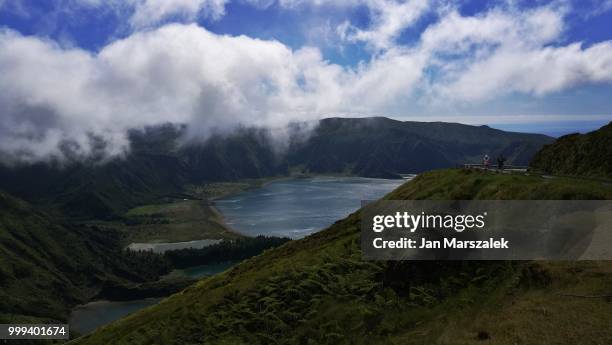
[(551, 125), (557, 131)]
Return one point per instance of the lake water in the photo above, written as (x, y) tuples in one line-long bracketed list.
[(87, 317), (298, 207)]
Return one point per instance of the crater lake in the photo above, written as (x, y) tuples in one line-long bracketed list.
[(298, 207)]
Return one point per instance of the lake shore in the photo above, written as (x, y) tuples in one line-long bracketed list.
[(298, 205), (254, 184)]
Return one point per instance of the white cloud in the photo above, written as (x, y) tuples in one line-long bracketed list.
[(181, 74), (389, 19), (140, 14), (178, 73), (599, 7), (53, 97), (458, 34), (14, 7), (537, 72), (150, 12), (502, 52)]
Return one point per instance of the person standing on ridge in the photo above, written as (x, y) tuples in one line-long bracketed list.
[(485, 161), (500, 162)]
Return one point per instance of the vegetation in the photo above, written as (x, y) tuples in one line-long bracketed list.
[(318, 290), (178, 221), (235, 250), (216, 190), (461, 184), (164, 287), (587, 155), (229, 250), (47, 266)]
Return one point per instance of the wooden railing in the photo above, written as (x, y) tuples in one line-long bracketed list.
[(521, 168)]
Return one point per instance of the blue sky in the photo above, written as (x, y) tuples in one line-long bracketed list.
[(90, 24), (95, 66)]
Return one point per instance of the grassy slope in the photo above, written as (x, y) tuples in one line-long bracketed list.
[(182, 220), (46, 267), (578, 154), (187, 217), (318, 290)]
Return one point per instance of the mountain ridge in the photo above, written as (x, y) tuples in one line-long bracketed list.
[(158, 165)]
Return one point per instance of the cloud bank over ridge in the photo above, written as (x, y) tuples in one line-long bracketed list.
[(56, 99)]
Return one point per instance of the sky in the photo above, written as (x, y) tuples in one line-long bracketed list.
[(75, 75)]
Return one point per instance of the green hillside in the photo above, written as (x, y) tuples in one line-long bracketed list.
[(318, 290), (382, 147), (578, 154), (47, 267)]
